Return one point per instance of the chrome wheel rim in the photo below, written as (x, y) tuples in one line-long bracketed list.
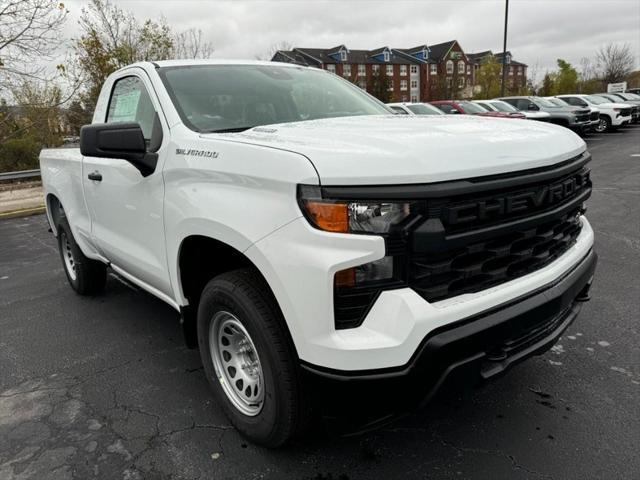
[(602, 126), (67, 255), (236, 363)]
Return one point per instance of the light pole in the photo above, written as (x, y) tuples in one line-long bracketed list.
[(504, 49)]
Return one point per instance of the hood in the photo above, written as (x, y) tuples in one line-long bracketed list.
[(402, 149), (530, 114), (615, 105)]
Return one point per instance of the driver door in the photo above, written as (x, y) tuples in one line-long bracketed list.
[(127, 207)]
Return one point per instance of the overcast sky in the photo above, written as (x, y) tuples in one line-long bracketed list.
[(540, 31)]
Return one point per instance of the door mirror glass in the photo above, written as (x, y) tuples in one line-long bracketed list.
[(121, 140)]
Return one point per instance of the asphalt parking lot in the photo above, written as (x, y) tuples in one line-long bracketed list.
[(104, 387)]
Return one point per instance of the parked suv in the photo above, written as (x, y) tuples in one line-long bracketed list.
[(470, 108), (629, 99), (612, 115), (326, 256), (594, 113), (414, 109), (577, 119), (500, 106)]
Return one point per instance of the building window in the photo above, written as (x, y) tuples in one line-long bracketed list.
[(361, 70), (510, 70), (508, 58), (460, 66), (449, 82), (403, 70), (390, 70), (404, 98), (343, 55), (362, 84), (386, 56), (414, 98), (414, 69), (331, 67), (403, 84), (449, 67), (346, 70), (390, 86), (519, 70), (375, 68), (433, 69), (468, 69), (414, 84), (461, 82)]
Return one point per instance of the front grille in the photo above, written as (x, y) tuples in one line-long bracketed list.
[(467, 236), (582, 118), (595, 116), (481, 265), (625, 112)]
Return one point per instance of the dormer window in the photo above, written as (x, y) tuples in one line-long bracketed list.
[(343, 55), (508, 59), (386, 55), (425, 53)]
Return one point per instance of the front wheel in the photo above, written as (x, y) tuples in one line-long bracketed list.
[(249, 360), (604, 125), (86, 276)]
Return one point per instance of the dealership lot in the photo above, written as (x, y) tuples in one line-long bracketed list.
[(104, 388)]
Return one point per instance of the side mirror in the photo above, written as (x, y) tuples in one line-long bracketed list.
[(122, 140), (454, 110), (533, 106)]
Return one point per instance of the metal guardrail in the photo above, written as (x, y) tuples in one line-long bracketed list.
[(20, 174)]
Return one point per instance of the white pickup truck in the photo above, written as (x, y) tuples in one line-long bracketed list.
[(324, 253)]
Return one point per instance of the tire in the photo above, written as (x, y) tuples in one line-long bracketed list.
[(268, 406), (86, 276), (604, 125)]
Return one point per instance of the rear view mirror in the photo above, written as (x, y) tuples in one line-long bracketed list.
[(122, 140)]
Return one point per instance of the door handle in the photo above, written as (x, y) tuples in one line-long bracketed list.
[(95, 176)]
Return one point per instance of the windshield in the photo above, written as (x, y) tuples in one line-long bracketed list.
[(595, 100), (543, 102), (558, 102), (215, 98), (610, 98), (503, 106), (472, 107), (422, 109), (632, 96)]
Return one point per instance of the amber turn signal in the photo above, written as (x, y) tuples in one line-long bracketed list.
[(332, 217)]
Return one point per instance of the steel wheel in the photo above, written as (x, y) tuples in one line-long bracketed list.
[(237, 364), (67, 255), (602, 126)]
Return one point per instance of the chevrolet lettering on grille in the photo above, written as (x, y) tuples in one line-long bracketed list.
[(535, 198)]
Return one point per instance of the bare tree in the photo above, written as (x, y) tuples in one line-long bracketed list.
[(615, 62), (28, 34), (191, 44), (268, 55)]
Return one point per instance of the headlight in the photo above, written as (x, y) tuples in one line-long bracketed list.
[(367, 217)]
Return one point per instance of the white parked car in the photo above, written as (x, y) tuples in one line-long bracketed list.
[(314, 243), (415, 109), (612, 115), (501, 106)]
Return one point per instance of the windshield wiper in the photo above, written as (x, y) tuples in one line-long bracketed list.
[(230, 130)]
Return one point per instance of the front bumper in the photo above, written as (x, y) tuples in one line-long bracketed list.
[(619, 121), (465, 352)]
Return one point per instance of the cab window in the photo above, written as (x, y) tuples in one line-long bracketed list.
[(130, 102)]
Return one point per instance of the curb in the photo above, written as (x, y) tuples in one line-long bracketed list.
[(25, 212)]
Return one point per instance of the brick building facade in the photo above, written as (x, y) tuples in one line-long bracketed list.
[(418, 74)]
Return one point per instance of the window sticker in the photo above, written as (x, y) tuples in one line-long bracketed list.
[(126, 107)]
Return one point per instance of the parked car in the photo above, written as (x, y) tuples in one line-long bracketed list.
[(325, 258), (612, 115), (576, 119), (635, 91), (629, 98), (594, 112), (500, 106), (470, 108), (415, 109)]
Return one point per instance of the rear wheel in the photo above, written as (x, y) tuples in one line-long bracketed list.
[(86, 276), (249, 360)]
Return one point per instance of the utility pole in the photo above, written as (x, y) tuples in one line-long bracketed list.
[(504, 49)]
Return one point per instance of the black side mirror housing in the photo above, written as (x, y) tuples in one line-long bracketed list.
[(122, 140)]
